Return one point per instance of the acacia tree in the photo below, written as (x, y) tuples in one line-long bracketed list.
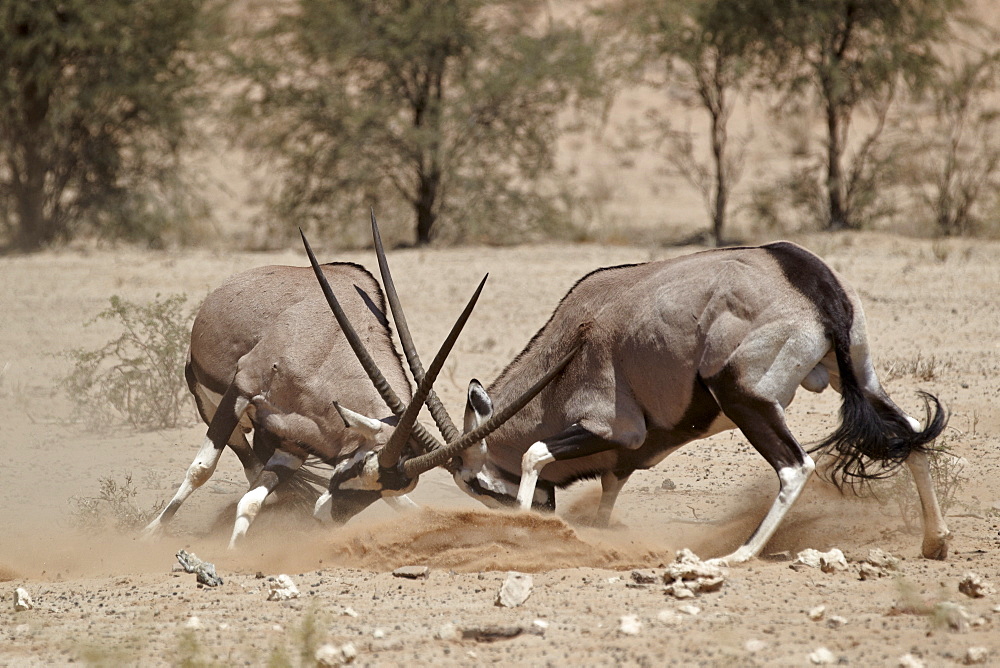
[(850, 54), (91, 102), (431, 106), (702, 48)]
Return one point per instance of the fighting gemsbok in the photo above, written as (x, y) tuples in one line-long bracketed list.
[(267, 355), (670, 352)]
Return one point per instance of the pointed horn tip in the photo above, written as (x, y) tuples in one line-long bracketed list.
[(336, 406)]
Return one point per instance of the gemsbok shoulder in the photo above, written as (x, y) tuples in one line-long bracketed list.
[(660, 354)]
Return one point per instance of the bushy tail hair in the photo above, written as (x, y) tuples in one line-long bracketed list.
[(874, 437)]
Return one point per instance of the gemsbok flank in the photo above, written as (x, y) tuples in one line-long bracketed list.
[(670, 352)]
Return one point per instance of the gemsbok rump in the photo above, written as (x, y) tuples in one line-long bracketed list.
[(673, 351)]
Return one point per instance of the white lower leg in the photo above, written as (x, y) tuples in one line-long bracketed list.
[(793, 481), (400, 503), (246, 511), (198, 473), (936, 534), (534, 459), (321, 510), (611, 485)]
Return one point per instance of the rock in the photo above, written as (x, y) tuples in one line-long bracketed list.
[(753, 646), (909, 661), (836, 622), (669, 617), (412, 572), (975, 655), (974, 586), (349, 612), (821, 656), (867, 571), (332, 655), (192, 623), (281, 588), (629, 625), (203, 570), (541, 624), (449, 632), (515, 590), (688, 575), (378, 634), (817, 613), (668, 485), (828, 562), (690, 610), (881, 559), (492, 633), (22, 600), (645, 576)]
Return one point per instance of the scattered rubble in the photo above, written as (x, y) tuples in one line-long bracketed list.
[(878, 564), (204, 570), (629, 625), (910, 661), (22, 600), (515, 590), (688, 575), (332, 655), (821, 656), (281, 588), (974, 586), (975, 655), (828, 562), (412, 572)]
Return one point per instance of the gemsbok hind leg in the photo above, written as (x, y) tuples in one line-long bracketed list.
[(279, 468), (763, 424), (224, 423)]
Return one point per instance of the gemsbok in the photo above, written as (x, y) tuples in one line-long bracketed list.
[(266, 355), (666, 353)]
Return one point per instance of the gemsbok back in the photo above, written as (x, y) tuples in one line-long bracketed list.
[(673, 351)]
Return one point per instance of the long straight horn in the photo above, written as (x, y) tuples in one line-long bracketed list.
[(425, 438), (388, 457), (417, 465), (434, 404)]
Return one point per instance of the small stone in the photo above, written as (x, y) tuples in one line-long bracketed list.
[(974, 586), (975, 655), (515, 590), (192, 623), (817, 613), (821, 656), (828, 562), (332, 655), (281, 588), (836, 622), (867, 571), (449, 632), (412, 572), (753, 646), (909, 661), (541, 624), (669, 617), (378, 634), (668, 485), (690, 610), (645, 576), (349, 652), (784, 555), (22, 600), (349, 612), (629, 625), (688, 575)]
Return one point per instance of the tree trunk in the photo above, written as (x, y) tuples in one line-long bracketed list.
[(834, 174), (721, 178), (424, 206)]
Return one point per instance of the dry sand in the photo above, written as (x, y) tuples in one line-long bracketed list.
[(104, 598)]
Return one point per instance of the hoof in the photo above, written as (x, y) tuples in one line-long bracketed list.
[(937, 548)]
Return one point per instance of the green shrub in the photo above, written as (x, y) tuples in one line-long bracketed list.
[(113, 507), (138, 376)]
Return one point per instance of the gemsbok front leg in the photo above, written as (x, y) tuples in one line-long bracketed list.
[(221, 430)]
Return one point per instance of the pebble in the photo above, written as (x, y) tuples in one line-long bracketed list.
[(909, 661), (192, 623), (22, 600), (974, 586), (976, 655), (412, 572), (817, 613), (753, 646), (281, 588), (629, 625), (515, 590), (821, 656)]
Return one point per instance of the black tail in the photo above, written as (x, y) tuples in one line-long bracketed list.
[(874, 437)]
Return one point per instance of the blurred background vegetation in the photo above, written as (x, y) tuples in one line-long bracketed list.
[(233, 122)]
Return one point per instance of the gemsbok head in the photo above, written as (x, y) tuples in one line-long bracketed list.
[(666, 353)]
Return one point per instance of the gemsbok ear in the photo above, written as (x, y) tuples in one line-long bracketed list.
[(360, 423), (478, 407)]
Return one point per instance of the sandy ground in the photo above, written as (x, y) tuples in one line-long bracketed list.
[(107, 599)]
